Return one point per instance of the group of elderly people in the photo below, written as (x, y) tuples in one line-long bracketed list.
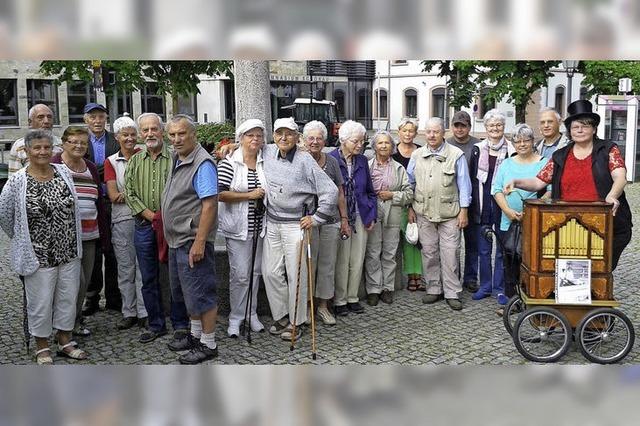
[(263, 198)]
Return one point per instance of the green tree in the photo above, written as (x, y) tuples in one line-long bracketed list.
[(515, 80), (601, 77), (178, 78)]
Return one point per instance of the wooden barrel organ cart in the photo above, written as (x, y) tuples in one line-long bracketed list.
[(542, 329)]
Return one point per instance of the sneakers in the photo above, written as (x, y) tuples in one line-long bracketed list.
[(355, 307), (199, 353), (387, 297), (182, 343), (342, 310), (428, 299), (233, 330), (325, 316), (480, 294), (149, 336), (372, 299), (286, 334), (256, 325), (502, 299), (127, 322), (455, 304), (279, 326)]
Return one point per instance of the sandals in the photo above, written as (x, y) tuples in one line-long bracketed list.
[(44, 359), (413, 285), (76, 353)]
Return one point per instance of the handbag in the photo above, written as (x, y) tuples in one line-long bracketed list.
[(411, 233), (512, 241)]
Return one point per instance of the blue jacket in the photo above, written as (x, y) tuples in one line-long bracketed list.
[(365, 195)]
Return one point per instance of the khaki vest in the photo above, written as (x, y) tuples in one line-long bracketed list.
[(436, 194)]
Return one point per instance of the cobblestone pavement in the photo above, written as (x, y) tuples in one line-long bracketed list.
[(406, 332)]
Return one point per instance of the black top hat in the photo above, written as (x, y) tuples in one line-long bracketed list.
[(580, 109)]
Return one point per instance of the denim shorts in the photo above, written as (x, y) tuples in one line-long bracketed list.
[(198, 284)]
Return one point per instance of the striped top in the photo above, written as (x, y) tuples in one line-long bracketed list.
[(145, 180), (225, 176), (87, 191)]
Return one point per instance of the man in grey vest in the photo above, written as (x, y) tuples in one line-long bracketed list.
[(552, 139), (189, 214), (440, 176)]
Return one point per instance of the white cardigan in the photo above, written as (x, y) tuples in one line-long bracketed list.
[(232, 217), (13, 220)]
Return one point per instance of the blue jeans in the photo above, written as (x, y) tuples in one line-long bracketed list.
[(147, 254), (491, 279), (471, 252)]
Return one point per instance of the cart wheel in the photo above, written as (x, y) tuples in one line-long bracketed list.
[(542, 334), (605, 335), (513, 308)]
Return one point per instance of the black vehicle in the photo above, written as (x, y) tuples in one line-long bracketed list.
[(303, 110)]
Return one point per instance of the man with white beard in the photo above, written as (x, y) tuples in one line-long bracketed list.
[(145, 181)]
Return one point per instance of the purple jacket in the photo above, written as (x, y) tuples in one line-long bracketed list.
[(365, 195)]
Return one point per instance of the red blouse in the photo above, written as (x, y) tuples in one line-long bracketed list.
[(577, 183)]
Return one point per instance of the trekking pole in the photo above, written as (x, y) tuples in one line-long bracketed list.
[(259, 210), (295, 309), (310, 282)]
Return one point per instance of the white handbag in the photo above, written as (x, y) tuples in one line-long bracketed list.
[(411, 233)]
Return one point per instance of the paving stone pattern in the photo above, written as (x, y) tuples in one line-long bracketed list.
[(404, 333)]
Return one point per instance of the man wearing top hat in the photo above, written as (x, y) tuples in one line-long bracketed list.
[(102, 144)]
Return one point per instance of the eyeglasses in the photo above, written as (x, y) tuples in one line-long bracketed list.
[(580, 128), (522, 141), (82, 144), (356, 141), (289, 135), (495, 126), (314, 139)]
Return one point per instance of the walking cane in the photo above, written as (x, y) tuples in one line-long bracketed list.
[(295, 310), (259, 211), (310, 282)]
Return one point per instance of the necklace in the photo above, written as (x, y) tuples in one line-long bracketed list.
[(40, 176), (76, 169)]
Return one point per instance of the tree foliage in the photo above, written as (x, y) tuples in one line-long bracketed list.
[(601, 77), (174, 77), (515, 80)]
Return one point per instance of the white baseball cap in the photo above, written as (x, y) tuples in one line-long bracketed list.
[(287, 123), (247, 125)]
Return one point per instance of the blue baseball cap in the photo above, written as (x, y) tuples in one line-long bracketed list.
[(91, 106)]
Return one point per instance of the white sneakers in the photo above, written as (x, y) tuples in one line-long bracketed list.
[(234, 326), (325, 316)]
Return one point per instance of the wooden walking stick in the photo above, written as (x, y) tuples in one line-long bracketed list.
[(295, 309), (310, 283)]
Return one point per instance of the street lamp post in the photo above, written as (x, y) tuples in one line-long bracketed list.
[(570, 67)]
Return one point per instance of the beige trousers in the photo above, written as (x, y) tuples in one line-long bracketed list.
[(349, 265)]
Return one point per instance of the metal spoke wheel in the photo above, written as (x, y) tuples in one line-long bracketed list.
[(542, 334), (513, 308), (605, 336)]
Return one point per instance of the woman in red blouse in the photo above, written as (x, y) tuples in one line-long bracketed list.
[(587, 169)]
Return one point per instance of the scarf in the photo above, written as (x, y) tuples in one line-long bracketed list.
[(350, 194), (483, 161)]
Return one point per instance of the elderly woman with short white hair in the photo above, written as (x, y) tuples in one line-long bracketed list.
[(362, 211), (241, 191), (391, 184), (326, 236), (487, 156), (123, 224)]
